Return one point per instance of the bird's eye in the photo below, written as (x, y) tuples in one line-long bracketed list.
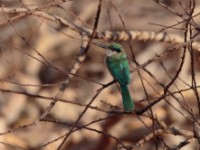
[(115, 47)]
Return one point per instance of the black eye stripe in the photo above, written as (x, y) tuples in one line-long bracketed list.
[(115, 47)]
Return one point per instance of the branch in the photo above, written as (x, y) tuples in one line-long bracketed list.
[(108, 35)]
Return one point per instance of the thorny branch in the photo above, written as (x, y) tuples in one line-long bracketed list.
[(188, 43)]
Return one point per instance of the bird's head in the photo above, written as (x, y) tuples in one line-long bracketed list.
[(115, 47), (112, 48)]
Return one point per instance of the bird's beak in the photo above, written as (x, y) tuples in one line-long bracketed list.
[(102, 46)]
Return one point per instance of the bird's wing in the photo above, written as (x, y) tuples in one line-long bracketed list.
[(119, 70)]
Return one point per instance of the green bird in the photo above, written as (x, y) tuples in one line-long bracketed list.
[(118, 66)]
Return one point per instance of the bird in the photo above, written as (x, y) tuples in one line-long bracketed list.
[(117, 64)]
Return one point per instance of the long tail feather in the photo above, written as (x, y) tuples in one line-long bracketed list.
[(127, 100)]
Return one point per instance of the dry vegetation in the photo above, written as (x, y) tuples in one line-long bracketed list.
[(56, 92)]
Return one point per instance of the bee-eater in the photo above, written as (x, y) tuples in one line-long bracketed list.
[(118, 66)]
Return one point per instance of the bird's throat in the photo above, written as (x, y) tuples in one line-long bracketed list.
[(110, 52)]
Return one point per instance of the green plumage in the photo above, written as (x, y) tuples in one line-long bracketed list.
[(119, 68), (127, 100)]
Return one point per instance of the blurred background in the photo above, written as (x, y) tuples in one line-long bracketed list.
[(32, 46)]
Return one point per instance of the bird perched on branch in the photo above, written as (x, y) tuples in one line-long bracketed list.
[(118, 66)]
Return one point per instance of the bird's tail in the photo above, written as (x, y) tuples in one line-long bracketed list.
[(127, 100)]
